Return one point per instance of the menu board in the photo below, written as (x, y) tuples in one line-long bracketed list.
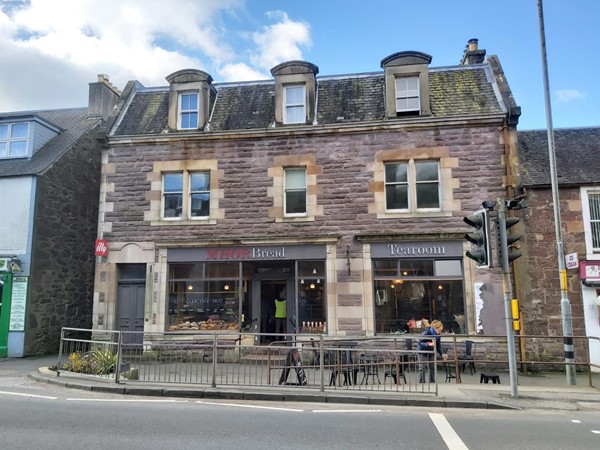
[(17, 304)]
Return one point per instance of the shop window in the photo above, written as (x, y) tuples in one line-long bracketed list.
[(412, 185), (417, 289), (312, 306), (204, 296), (295, 191)]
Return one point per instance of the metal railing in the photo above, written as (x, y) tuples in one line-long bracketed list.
[(379, 363)]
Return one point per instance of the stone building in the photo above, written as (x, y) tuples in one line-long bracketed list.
[(343, 195), (50, 180), (578, 177)]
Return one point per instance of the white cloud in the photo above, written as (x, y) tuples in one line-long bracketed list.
[(241, 72), (566, 95), (65, 43), (281, 41)]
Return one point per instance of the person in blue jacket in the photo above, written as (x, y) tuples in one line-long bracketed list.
[(427, 346)]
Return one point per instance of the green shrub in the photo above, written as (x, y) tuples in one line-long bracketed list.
[(100, 361)]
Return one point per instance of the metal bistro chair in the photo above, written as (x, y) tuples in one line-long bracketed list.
[(467, 357)]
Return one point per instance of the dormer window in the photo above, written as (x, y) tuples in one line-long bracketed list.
[(188, 111), (407, 94), (191, 95), (295, 104), (406, 84), (295, 92), (14, 140)]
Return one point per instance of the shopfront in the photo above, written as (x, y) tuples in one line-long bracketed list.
[(416, 280), (228, 288), (589, 272)]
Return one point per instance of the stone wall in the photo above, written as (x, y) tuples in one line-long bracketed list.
[(537, 271), (65, 227), (344, 194)]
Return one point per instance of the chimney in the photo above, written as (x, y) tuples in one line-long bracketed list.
[(472, 54), (103, 98)]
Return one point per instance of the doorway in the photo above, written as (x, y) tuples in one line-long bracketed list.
[(131, 297), (267, 286)]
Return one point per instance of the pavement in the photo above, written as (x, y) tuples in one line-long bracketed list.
[(534, 391)]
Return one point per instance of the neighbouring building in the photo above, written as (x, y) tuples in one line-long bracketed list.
[(343, 194), (50, 181), (578, 179)]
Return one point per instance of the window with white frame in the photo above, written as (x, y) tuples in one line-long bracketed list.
[(172, 195), (188, 111), (186, 195), (295, 191), (14, 139), (591, 215), (199, 194), (295, 104), (407, 94), (412, 185)]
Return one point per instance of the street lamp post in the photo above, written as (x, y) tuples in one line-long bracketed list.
[(565, 305)]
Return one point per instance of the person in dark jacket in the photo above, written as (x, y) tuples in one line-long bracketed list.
[(426, 348)]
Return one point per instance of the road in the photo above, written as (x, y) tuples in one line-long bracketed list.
[(52, 417)]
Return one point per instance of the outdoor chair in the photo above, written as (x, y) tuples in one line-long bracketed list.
[(466, 357), (450, 372)]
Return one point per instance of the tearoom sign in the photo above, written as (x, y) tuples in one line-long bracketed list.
[(17, 304)]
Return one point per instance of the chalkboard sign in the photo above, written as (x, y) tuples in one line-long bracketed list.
[(293, 360)]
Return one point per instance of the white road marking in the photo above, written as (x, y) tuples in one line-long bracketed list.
[(452, 440), (345, 410), (596, 431), (576, 421), (239, 405), (124, 400), (28, 395)]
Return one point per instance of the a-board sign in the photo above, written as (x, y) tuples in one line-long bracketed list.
[(293, 360)]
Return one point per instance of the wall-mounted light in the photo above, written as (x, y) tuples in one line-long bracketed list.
[(312, 285), (190, 287), (440, 287), (226, 287)]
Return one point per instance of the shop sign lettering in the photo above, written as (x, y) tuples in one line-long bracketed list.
[(422, 250), (245, 253)]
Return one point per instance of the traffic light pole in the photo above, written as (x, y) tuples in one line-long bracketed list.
[(506, 288)]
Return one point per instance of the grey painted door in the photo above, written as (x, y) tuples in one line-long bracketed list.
[(130, 311)]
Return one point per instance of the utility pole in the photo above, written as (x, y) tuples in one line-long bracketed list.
[(507, 289), (565, 305)]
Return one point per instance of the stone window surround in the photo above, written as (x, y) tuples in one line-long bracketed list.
[(155, 195), (406, 64), (447, 182), (285, 105), (295, 73), (188, 81), (277, 193)]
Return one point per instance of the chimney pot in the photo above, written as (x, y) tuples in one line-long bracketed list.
[(473, 44), (102, 77)]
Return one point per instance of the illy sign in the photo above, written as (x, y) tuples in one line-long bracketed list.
[(101, 247)]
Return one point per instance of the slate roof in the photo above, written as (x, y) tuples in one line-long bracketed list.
[(455, 91), (73, 124), (577, 153)]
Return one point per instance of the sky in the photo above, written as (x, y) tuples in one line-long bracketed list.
[(50, 50)]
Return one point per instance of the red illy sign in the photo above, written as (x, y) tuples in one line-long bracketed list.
[(101, 247)]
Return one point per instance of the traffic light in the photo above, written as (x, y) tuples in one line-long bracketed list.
[(481, 238), (513, 253)]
